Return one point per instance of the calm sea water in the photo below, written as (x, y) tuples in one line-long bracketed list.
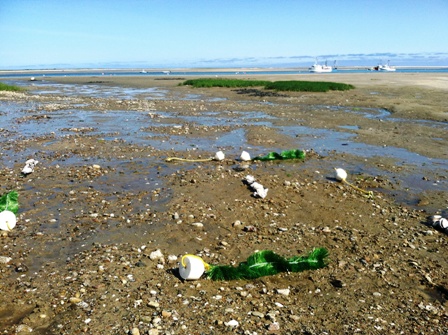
[(208, 73)]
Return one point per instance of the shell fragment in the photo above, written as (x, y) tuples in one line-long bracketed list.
[(260, 191), (29, 166)]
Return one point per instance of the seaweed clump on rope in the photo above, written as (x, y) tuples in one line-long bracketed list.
[(268, 263)]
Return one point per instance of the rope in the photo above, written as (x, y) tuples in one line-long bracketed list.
[(368, 193), (169, 159), (206, 265)]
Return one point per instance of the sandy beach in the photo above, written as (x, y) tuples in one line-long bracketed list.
[(104, 219)]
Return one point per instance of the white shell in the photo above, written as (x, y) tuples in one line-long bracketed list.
[(245, 156), (443, 223), (5, 259), (31, 162), (340, 174), (260, 191), (156, 254), (219, 156), (257, 186), (232, 323), (250, 179), (7, 220), (27, 170), (29, 166)]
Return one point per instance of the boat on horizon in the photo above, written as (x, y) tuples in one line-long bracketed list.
[(384, 67), (318, 68)]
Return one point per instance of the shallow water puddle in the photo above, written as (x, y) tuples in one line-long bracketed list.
[(230, 142), (369, 113), (93, 90), (324, 141), (132, 127), (383, 114)]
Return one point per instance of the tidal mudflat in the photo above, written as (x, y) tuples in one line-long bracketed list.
[(102, 200)]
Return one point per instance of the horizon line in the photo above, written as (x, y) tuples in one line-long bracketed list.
[(199, 69)]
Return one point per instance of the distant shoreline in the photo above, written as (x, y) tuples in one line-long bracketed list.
[(202, 69)]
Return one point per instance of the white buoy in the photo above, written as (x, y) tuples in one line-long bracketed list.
[(340, 174), (191, 267), (7, 220), (443, 223), (219, 156), (245, 156)]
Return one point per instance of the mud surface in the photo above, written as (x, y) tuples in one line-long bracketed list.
[(102, 200)]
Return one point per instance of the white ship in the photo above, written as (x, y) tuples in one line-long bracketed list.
[(318, 68)]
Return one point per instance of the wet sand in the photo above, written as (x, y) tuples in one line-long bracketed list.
[(100, 202)]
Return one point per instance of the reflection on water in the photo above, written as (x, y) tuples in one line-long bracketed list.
[(132, 127), (93, 90), (369, 113)]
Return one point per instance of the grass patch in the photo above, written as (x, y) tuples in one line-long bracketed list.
[(291, 85), (6, 87), (223, 82), (307, 86)]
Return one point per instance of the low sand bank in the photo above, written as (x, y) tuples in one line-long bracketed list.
[(435, 80)]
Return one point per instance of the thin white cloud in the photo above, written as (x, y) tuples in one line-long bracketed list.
[(62, 34)]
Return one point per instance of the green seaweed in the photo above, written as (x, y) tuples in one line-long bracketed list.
[(286, 154), (268, 263), (10, 202)]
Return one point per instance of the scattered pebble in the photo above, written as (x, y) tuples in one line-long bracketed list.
[(5, 260), (284, 291), (156, 255), (232, 323), (258, 314), (273, 327), (153, 304), (24, 329)]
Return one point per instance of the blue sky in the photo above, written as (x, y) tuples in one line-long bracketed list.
[(233, 33)]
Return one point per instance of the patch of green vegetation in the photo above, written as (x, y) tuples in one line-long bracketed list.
[(224, 82), (6, 87), (308, 86), (291, 85)]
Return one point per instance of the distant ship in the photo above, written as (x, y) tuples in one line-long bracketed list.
[(384, 67), (318, 68), (166, 72)]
